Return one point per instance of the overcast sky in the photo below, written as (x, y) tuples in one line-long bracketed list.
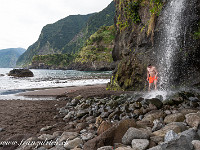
[(21, 21)]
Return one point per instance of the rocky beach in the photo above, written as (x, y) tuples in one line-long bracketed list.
[(91, 118)]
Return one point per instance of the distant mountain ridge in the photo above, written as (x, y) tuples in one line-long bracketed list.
[(68, 35), (9, 57)]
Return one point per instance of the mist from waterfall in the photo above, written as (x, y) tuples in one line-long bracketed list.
[(169, 41)]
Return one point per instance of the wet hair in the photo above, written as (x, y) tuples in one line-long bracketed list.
[(149, 65)]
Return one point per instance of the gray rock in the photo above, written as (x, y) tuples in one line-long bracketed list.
[(168, 112), (157, 125), (67, 136), (140, 144), (74, 102), (105, 148), (47, 137), (69, 115), (46, 128), (82, 113), (155, 101), (1, 129), (87, 136), (134, 133), (73, 143), (57, 133), (182, 142), (21, 73), (81, 126), (155, 148), (194, 99), (63, 111), (175, 126), (196, 144), (124, 148), (193, 119), (41, 148), (170, 135), (157, 139), (58, 147)]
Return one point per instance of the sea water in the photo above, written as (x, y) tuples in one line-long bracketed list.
[(44, 79)]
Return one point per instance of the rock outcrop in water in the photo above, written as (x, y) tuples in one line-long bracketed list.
[(21, 73), (140, 25)]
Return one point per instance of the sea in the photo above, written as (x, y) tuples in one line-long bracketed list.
[(10, 86)]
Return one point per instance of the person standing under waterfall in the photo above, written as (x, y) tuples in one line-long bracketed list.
[(152, 76)]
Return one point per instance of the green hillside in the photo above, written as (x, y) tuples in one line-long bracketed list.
[(54, 36), (67, 35), (103, 18), (97, 52), (98, 46)]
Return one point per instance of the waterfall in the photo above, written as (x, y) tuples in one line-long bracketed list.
[(169, 42)]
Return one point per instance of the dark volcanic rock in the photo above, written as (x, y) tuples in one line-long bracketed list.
[(136, 45), (21, 73)]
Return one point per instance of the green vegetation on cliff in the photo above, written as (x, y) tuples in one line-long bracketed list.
[(52, 61), (197, 33), (98, 47), (103, 18), (129, 12)]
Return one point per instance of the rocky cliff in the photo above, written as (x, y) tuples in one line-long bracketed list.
[(139, 25)]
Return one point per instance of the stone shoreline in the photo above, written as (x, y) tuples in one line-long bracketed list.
[(91, 118)]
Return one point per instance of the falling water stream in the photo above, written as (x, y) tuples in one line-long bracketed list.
[(169, 41), (168, 45)]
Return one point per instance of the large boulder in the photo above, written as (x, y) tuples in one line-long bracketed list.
[(178, 117), (193, 119), (110, 136), (177, 127), (134, 133), (21, 73)]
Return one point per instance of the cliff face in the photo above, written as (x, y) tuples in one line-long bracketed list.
[(139, 25)]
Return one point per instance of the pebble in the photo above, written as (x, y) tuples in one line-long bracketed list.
[(105, 148), (46, 128), (87, 136), (170, 135), (134, 133), (1, 129), (47, 137), (73, 143)]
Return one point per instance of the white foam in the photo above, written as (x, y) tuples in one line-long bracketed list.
[(154, 93)]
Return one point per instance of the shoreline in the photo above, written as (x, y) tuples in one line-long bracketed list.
[(21, 117), (90, 114), (98, 90)]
